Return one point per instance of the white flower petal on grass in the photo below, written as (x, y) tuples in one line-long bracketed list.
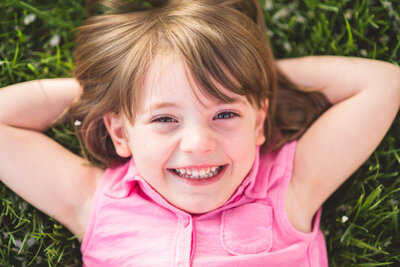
[(282, 13), (344, 219), (363, 52), (348, 14), (31, 241), (77, 123), (287, 46), (18, 243), (29, 19), (384, 39), (301, 19), (387, 243), (55, 40), (269, 4)]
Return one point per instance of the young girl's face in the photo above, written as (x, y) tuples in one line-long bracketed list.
[(191, 149)]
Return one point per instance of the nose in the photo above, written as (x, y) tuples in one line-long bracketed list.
[(197, 140)]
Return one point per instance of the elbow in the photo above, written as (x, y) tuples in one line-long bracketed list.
[(396, 84), (390, 81)]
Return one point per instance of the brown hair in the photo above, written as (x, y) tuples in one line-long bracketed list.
[(214, 38)]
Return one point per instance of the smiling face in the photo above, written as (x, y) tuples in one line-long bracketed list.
[(193, 150)]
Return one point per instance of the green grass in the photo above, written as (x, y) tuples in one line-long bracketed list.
[(360, 221)]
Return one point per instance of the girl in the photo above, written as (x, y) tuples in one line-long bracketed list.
[(206, 162)]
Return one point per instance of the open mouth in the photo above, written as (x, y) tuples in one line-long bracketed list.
[(202, 173)]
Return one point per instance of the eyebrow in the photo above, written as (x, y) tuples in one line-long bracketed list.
[(160, 105)]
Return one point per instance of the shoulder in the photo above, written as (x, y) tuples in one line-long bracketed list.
[(280, 167), (278, 159), (302, 199), (282, 156), (87, 184)]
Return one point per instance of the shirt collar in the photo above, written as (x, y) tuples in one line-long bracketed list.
[(122, 179), (119, 180), (246, 187)]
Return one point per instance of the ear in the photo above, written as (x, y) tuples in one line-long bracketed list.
[(259, 130), (115, 128)]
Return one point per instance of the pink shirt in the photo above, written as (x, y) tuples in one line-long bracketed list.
[(132, 225)]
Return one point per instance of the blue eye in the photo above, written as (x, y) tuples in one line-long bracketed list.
[(225, 115), (164, 119)]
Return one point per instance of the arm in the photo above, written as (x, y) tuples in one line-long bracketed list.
[(366, 97), (37, 105), (35, 167)]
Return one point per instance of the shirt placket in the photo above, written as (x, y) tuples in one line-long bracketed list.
[(184, 242)]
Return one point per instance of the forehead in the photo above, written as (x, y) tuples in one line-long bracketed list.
[(170, 80)]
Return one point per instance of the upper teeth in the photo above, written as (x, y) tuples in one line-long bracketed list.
[(198, 173)]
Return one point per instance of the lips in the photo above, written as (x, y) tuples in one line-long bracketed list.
[(198, 173)]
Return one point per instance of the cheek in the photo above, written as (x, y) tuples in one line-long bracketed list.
[(240, 146), (150, 152)]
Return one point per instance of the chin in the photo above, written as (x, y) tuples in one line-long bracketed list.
[(198, 208)]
